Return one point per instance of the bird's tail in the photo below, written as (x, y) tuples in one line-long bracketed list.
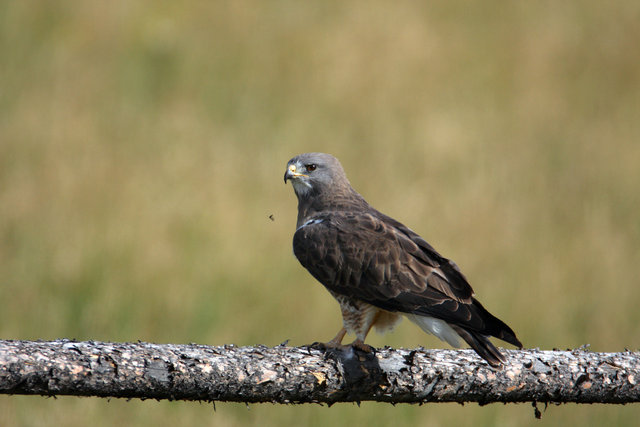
[(495, 327), (479, 339), (481, 344)]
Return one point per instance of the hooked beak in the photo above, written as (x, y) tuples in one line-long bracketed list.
[(292, 174)]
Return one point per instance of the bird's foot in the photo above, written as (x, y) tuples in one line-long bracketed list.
[(335, 343), (360, 345), (322, 346), (332, 345)]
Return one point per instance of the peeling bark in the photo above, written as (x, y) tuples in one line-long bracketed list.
[(300, 374)]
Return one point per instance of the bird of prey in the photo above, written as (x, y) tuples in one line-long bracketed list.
[(378, 269)]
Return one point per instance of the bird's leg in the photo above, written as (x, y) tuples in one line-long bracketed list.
[(359, 341), (337, 340)]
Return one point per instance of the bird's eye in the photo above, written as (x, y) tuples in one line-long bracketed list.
[(310, 167)]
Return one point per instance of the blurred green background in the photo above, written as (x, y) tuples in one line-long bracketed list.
[(143, 144)]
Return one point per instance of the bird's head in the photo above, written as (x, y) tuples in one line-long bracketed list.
[(314, 172)]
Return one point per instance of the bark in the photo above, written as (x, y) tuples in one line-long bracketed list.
[(300, 374)]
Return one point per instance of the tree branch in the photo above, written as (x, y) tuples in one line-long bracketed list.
[(300, 374)]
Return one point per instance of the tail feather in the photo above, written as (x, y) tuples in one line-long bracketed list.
[(494, 326), (479, 339), (474, 324), (481, 344)]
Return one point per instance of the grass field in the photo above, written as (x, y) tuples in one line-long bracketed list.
[(143, 144)]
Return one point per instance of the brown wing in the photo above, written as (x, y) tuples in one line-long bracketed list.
[(373, 258)]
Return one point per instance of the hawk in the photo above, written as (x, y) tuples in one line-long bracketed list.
[(378, 269)]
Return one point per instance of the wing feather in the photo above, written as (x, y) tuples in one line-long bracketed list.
[(358, 254)]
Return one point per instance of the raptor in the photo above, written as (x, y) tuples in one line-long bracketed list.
[(380, 270)]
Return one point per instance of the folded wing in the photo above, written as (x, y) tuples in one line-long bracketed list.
[(373, 258)]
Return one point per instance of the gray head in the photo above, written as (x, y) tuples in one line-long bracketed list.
[(314, 173)]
